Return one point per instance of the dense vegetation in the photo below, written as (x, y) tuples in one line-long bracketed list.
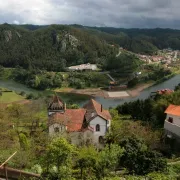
[(133, 145), (56, 47), (142, 40), (52, 48), (151, 110), (130, 148), (41, 79), (24, 129)]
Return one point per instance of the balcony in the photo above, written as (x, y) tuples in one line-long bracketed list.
[(172, 128)]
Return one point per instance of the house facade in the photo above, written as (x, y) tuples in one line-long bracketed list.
[(172, 122), (85, 125)]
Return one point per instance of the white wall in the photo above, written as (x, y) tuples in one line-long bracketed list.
[(94, 67), (175, 129), (103, 127), (176, 119)]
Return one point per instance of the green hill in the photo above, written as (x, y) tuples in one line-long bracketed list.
[(55, 47), (144, 40), (50, 47)]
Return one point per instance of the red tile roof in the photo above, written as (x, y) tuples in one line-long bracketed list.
[(173, 110), (94, 107), (72, 118)]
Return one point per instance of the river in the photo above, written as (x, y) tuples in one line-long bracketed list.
[(81, 99)]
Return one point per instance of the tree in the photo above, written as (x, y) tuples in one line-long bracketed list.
[(108, 160), (1, 70), (59, 154), (86, 161), (177, 88), (138, 159)]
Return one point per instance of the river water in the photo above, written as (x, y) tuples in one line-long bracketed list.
[(81, 99)]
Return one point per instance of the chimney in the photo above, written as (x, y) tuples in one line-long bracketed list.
[(101, 108)]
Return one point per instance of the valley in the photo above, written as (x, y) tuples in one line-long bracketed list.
[(80, 102)]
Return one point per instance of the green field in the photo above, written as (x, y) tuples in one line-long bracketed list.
[(8, 97)]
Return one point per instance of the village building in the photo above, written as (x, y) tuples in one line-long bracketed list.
[(172, 122), (85, 125), (84, 67)]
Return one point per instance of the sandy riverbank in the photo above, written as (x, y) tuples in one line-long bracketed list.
[(98, 92), (137, 90)]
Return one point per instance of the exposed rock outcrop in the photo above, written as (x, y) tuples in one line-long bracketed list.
[(68, 39), (8, 35), (74, 42), (63, 45)]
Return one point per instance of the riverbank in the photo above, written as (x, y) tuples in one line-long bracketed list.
[(139, 88), (98, 92), (81, 96)]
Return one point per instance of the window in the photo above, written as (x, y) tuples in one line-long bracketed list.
[(170, 120), (97, 127), (56, 129)]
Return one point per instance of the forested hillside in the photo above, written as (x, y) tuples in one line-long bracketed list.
[(51, 47), (143, 40), (56, 47)]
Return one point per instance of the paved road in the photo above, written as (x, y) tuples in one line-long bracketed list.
[(118, 53)]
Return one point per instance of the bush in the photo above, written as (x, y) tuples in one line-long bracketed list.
[(23, 141), (133, 82), (30, 96), (22, 93)]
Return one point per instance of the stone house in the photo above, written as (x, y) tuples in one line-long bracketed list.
[(85, 125)]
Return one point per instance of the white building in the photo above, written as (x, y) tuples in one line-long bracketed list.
[(172, 122), (85, 125), (81, 67)]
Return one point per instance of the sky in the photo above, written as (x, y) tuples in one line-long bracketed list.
[(113, 13)]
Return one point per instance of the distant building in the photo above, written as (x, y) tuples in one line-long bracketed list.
[(81, 67), (85, 125), (172, 122), (161, 92), (165, 91)]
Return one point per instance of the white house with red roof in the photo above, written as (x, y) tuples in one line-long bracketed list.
[(172, 122), (87, 124)]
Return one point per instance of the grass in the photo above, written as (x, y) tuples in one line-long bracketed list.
[(8, 97)]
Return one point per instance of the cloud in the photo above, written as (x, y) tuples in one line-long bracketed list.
[(118, 13), (16, 22)]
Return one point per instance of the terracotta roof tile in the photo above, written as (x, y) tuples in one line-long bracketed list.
[(72, 118), (173, 110), (94, 107)]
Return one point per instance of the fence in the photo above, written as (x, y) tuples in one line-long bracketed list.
[(11, 173)]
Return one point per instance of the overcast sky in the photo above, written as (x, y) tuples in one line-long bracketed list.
[(114, 13)]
